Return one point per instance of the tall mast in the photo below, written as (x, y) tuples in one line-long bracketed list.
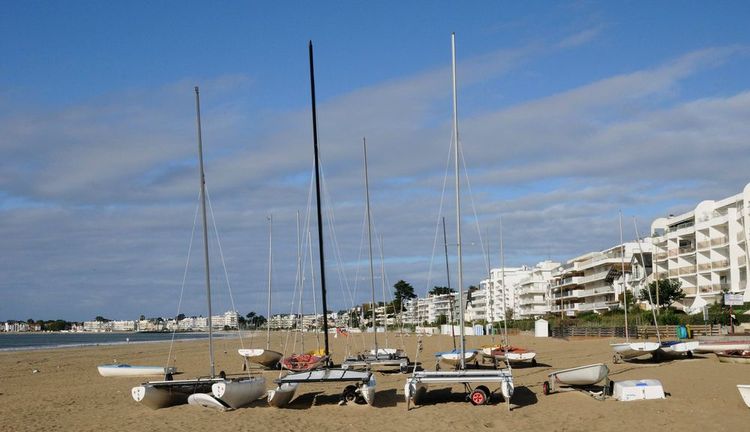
[(624, 286), (448, 274), (458, 202), (205, 227), (502, 281), (270, 275), (369, 240), (321, 256)]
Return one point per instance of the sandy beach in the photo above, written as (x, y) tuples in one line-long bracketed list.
[(67, 393)]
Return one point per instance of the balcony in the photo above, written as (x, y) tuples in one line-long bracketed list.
[(686, 270), (673, 273), (597, 291), (685, 250), (701, 245), (719, 241), (568, 281), (704, 267), (661, 256), (593, 306), (719, 264)]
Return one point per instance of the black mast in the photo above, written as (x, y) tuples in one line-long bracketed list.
[(317, 196)]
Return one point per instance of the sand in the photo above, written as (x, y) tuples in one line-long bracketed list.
[(67, 393)]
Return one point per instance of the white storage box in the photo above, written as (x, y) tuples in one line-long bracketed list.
[(638, 390)]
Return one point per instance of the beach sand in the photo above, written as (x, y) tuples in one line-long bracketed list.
[(67, 393)]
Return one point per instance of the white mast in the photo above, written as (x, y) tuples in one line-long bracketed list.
[(624, 286), (369, 240), (458, 203), (270, 272)]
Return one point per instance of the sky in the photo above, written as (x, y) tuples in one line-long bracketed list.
[(569, 112)]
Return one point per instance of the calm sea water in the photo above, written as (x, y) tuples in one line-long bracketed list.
[(24, 341)]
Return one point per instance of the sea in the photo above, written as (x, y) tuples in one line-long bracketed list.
[(29, 341)]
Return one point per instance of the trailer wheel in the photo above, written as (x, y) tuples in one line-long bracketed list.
[(616, 359), (533, 362), (545, 388), (690, 354), (478, 396), (349, 394)]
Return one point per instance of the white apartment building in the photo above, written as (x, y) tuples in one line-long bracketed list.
[(532, 293), (706, 249), (498, 296), (593, 281), (429, 309)]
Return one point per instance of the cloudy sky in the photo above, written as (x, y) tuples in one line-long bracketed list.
[(569, 112)]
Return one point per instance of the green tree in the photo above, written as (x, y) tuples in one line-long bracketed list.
[(669, 292), (402, 291), (441, 319), (438, 290)]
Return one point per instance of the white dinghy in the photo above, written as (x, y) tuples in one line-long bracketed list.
[(744, 390), (676, 349), (121, 369), (168, 392), (578, 378)]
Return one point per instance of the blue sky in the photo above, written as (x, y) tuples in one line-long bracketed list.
[(569, 112)]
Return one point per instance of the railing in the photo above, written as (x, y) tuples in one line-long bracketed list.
[(673, 273), (719, 241), (704, 267), (594, 277), (719, 264), (661, 256), (703, 244), (674, 252), (721, 286), (597, 291), (684, 270), (686, 249)]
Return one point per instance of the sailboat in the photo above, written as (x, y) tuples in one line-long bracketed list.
[(505, 351), (666, 349), (265, 357), (629, 350), (361, 387), (416, 385), (224, 393), (378, 355)]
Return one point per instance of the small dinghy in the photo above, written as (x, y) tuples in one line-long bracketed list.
[(745, 393), (264, 357), (206, 400), (579, 378), (453, 358), (510, 354), (734, 356), (303, 362), (120, 369)]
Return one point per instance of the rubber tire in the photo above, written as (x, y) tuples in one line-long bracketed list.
[(545, 388), (478, 396), (689, 354), (533, 362)]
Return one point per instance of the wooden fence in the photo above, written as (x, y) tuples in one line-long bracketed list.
[(637, 332)]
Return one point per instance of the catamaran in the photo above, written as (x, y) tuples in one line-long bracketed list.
[(265, 356), (416, 385), (224, 393), (361, 387), (629, 350), (377, 356)]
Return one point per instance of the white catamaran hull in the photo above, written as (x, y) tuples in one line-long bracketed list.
[(632, 350), (264, 357), (717, 346), (282, 395), (114, 370), (416, 385), (679, 349), (162, 394), (239, 393)]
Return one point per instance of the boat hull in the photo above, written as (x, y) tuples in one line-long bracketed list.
[(741, 357), (510, 354), (744, 390), (266, 358), (677, 349), (282, 395), (302, 362), (581, 376), (633, 350), (162, 394), (716, 346), (239, 393), (115, 370), (453, 358)]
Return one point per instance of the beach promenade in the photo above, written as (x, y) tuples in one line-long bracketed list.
[(67, 393)]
